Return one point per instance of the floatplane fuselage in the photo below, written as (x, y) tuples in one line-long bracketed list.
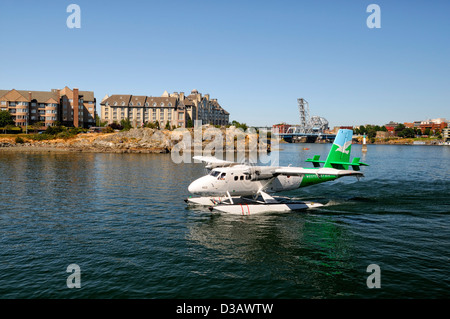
[(242, 189)]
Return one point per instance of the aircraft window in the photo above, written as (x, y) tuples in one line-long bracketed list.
[(236, 178), (247, 177), (214, 173), (222, 176), (242, 178)]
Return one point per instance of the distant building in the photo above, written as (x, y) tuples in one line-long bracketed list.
[(69, 107), (446, 134), (433, 125), (337, 128), (176, 108), (282, 128), (391, 127)]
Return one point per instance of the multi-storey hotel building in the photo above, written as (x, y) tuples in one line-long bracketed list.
[(175, 108), (69, 107)]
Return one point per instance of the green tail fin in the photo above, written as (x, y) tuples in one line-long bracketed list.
[(339, 155)]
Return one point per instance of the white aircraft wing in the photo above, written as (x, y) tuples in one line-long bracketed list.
[(212, 162), (321, 171)]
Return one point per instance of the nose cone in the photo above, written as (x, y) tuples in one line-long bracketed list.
[(195, 187)]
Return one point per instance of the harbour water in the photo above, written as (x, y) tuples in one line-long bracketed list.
[(122, 219)]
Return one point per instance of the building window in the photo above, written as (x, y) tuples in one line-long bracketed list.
[(162, 104), (131, 103), (180, 116), (169, 105), (139, 104)]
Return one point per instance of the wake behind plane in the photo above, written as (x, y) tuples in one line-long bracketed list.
[(242, 189)]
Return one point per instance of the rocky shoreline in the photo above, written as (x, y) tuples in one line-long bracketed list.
[(142, 140)]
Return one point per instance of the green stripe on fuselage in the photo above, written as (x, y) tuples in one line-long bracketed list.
[(311, 179)]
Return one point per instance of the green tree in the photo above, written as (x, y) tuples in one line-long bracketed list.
[(6, 118), (362, 130), (417, 131), (37, 125), (167, 127), (399, 127), (8, 127), (243, 126), (371, 133), (150, 125), (407, 132), (126, 124)]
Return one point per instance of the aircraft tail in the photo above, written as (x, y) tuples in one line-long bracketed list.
[(339, 155), (340, 151)]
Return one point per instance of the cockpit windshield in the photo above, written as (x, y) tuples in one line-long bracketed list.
[(214, 173), (219, 175)]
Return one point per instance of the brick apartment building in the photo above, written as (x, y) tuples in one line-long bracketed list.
[(176, 108), (69, 107)]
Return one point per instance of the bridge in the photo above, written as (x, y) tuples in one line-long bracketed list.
[(294, 137), (310, 129)]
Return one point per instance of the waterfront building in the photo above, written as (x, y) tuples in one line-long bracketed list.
[(391, 127), (68, 107), (446, 134), (282, 128), (433, 125), (176, 108)]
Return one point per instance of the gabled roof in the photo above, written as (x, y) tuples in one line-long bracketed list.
[(138, 100), (87, 95), (43, 96), (3, 92), (117, 100), (158, 100), (15, 95), (188, 102)]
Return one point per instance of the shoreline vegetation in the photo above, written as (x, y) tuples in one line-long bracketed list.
[(134, 140), (144, 140)]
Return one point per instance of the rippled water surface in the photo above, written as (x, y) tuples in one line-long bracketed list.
[(122, 219)]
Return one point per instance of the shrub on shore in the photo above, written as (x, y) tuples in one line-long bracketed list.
[(53, 132), (19, 140)]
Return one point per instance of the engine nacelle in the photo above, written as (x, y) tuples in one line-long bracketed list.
[(259, 173)]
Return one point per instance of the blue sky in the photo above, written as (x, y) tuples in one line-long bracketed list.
[(255, 57)]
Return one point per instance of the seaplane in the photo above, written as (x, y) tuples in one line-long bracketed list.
[(236, 188)]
